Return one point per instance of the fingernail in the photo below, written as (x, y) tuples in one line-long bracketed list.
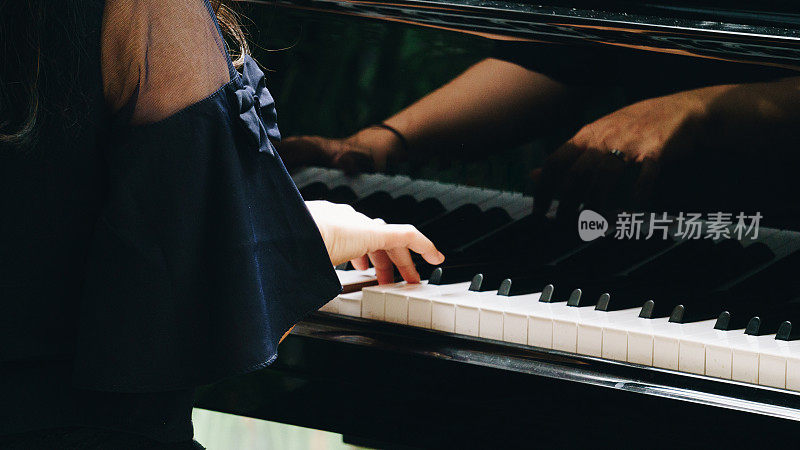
[(440, 258)]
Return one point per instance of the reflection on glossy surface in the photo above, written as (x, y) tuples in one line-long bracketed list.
[(717, 147), (558, 365)]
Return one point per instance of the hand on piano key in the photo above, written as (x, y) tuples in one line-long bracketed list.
[(352, 236)]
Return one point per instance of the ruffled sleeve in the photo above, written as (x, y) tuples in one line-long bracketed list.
[(204, 255)]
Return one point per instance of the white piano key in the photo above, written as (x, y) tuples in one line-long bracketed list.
[(520, 206), (667, 337), (329, 177), (739, 352), (423, 189), (406, 188), (745, 363), (356, 277), (461, 196), (633, 337), (692, 353), (397, 299), (580, 329), (551, 325), (302, 177), (565, 327), (499, 199), (540, 326), (515, 317), (427, 310), (331, 307), (415, 300), (492, 313), (365, 184), (640, 340), (396, 308), (775, 362), (793, 370), (616, 344), (443, 317), (373, 304), (718, 360), (466, 313), (590, 332), (457, 312), (350, 304), (772, 363), (419, 311), (483, 198)]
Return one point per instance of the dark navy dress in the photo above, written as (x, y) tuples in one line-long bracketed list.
[(145, 259)]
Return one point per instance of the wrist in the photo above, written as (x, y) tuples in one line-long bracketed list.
[(701, 100), (381, 143)]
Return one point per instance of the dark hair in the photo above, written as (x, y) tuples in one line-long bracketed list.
[(20, 48)]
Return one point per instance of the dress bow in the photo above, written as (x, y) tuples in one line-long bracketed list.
[(257, 107)]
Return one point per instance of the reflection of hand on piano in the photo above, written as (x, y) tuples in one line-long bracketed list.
[(590, 166), (493, 103), (352, 236), (717, 131), (365, 151)]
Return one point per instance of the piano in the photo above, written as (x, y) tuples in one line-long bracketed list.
[(527, 335)]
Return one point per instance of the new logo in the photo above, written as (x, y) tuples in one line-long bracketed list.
[(591, 225)]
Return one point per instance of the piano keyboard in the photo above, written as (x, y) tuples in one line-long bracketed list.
[(696, 347), (724, 309)]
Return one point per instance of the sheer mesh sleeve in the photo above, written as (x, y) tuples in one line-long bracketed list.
[(204, 254), (161, 56)]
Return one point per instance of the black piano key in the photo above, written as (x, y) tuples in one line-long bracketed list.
[(342, 194), (779, 276), (546, 276), (757, 327), (533, 237), (464, 224), (488, 281), (787, 332), (750, 304), (426, 210), (707, 306), (314, 191), (547, 295), (652, 310), (723, 322), (402, 208), (733, 320), (628, 296), (673, 260), (770, 321), (458, 273), (377, 204), (603, 303), (577, 299), (520, 286), (589, 292)]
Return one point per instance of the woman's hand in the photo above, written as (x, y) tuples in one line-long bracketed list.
[(352, 236), (365, 151), (643, 136)]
